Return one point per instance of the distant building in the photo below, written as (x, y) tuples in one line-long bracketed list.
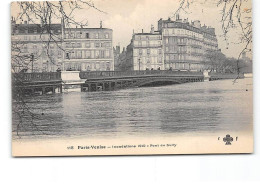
[(120, 58), (82, 49), (145, 52), (116, 52), (34, 40), (186, 44), (88, 49), (177, 45)]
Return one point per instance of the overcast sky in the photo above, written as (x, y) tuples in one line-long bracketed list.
[(125, 15)]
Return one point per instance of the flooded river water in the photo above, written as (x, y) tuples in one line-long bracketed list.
[(141, 112)]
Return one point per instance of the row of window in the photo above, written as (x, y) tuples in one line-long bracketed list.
[(152, 60), (148, 37), (182, 57), (37, 31), (149, 44), (182, 32), (89, 66), (182, 41), (149, 51), (88, 54), (182, 66), (85, 35), (87, 44)]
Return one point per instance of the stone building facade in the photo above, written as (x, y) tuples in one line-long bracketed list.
[(145, 52), (33, 41), (56, 47), (88, 49), (177, 45), (186, 44)]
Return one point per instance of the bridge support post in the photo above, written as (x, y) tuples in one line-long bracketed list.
[(60, 88), (113, 85), (119, 84), (103, 86), (43, 90), (53, 89), (109, 86)]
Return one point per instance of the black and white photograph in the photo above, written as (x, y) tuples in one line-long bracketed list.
[(132, 77)]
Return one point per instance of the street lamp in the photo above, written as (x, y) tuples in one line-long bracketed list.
[(139, 63)]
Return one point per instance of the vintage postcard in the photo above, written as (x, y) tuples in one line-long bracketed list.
[(131, 77)]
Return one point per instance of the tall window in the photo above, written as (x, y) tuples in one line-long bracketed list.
[(87, 35), (78, 45), (79, 54), (97, 54), (167, 40), (87, 44), (79, 35), (88, 54), (107, 54), (102, 54), (140, 52), (97, 44)]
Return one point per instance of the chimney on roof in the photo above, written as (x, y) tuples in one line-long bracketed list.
[(142, 30), (152, 29), (197, 24), (25, 22), (177, 16), (101, 25)]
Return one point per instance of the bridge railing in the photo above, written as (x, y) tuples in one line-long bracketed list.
[(36, 77), (104, 74), (226, 75)]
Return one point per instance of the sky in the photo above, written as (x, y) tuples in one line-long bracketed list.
[(124, 16)]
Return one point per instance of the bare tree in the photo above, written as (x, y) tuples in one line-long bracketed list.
[(42, 14), (235, 15)]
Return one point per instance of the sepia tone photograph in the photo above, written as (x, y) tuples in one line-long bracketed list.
[(132, 77)]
